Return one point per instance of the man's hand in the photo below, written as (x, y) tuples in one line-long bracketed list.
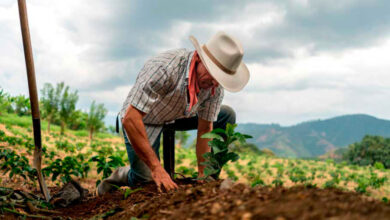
[(135, 129), (161, 177)]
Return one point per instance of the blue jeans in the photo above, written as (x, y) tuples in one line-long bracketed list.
[(140, 173)]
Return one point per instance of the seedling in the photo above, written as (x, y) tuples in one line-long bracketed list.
[(106, 166), (129, 191), (220, 153)]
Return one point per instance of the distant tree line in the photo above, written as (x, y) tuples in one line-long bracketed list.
[(58, 106), (372, 150)]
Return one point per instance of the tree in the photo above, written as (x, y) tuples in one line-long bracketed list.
[(50, 102), (78, 120), (371, 150), (21, 105), (95, 118), (5, 102), (67, 107)]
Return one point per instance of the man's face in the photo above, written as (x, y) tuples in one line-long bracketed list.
[(205, 80)]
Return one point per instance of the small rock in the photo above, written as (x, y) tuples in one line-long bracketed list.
[(246, 216), (188, 191), (215, 208), (238, 202), (70, 193), (226, 184)]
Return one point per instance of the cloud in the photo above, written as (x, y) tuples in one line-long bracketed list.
[(307, 58), (321, 86)]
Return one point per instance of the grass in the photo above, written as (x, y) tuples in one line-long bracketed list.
[(24, 122)]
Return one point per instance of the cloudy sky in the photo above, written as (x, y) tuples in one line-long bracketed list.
[(308, 59)]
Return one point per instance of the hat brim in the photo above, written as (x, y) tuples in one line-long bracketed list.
[(231, 82)]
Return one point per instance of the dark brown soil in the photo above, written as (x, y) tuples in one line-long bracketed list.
[(208, 201)]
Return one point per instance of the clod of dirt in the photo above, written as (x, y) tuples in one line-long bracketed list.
[(72, 192)]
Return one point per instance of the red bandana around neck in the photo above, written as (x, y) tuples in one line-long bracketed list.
[(193, 86)]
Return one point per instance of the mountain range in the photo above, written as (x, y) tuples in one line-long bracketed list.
[(313, 138)]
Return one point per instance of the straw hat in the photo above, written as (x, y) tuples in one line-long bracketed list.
[(222, 56)]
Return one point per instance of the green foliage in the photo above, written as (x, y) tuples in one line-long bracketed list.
[(296, 174), (333, 183), (363, 183), (106, 167), (246, 148), (67, 106), (95, 118), (258, 182), (129, 191), (78, 120), (67, 167), (379, 166), (50, 102), (277, 182), (370, 150), (21, 105), (65, 146), (81, 133), (182, 137), (5, 102), (220, 153), (16, 165), (231, 175), (189, 171)]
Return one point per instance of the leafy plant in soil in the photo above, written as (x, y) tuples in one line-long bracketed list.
[(65, 168), (296, 175), (129, 191), (16, 165), (106, 166), (220, 153), (334, 181)]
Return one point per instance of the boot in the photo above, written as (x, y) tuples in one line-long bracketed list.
[(118, 178)]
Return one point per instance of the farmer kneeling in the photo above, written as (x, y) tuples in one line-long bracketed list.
[(182, 88)]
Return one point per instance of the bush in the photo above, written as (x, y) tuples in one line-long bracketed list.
[(370, 150)]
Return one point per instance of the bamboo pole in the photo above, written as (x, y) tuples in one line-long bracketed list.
[(32, 87)]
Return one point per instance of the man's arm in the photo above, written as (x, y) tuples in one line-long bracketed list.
[(135, 129), (201, 143)]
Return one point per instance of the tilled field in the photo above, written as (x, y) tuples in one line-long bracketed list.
[(236, 201)]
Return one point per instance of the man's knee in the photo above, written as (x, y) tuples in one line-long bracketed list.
[(229, 113), (226, 115)]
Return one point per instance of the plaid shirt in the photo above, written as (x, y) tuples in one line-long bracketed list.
[(161, 91)]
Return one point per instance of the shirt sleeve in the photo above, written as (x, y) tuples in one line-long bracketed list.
[(210, 108), (152, 83)]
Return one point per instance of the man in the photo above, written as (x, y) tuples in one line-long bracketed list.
[(182, 88)]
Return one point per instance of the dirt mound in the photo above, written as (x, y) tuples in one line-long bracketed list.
[(208, 201)]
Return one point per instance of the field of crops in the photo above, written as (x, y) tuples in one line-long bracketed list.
[(73, 156)]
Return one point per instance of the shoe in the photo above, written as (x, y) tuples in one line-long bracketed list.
[(117, 178)]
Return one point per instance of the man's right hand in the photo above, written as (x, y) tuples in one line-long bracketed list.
[(161, 177)]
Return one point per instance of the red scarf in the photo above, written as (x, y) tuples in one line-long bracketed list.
[(193, 86)]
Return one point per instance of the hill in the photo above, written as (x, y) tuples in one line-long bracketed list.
[(314, 138)]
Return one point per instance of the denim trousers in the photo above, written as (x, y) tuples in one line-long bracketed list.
[(140, 173)]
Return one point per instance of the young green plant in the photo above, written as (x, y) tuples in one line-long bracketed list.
[(220, 152)]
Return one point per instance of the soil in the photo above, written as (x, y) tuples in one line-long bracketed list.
[(239, 201)]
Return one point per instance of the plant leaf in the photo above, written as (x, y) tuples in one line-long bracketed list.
[(212, 136)]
